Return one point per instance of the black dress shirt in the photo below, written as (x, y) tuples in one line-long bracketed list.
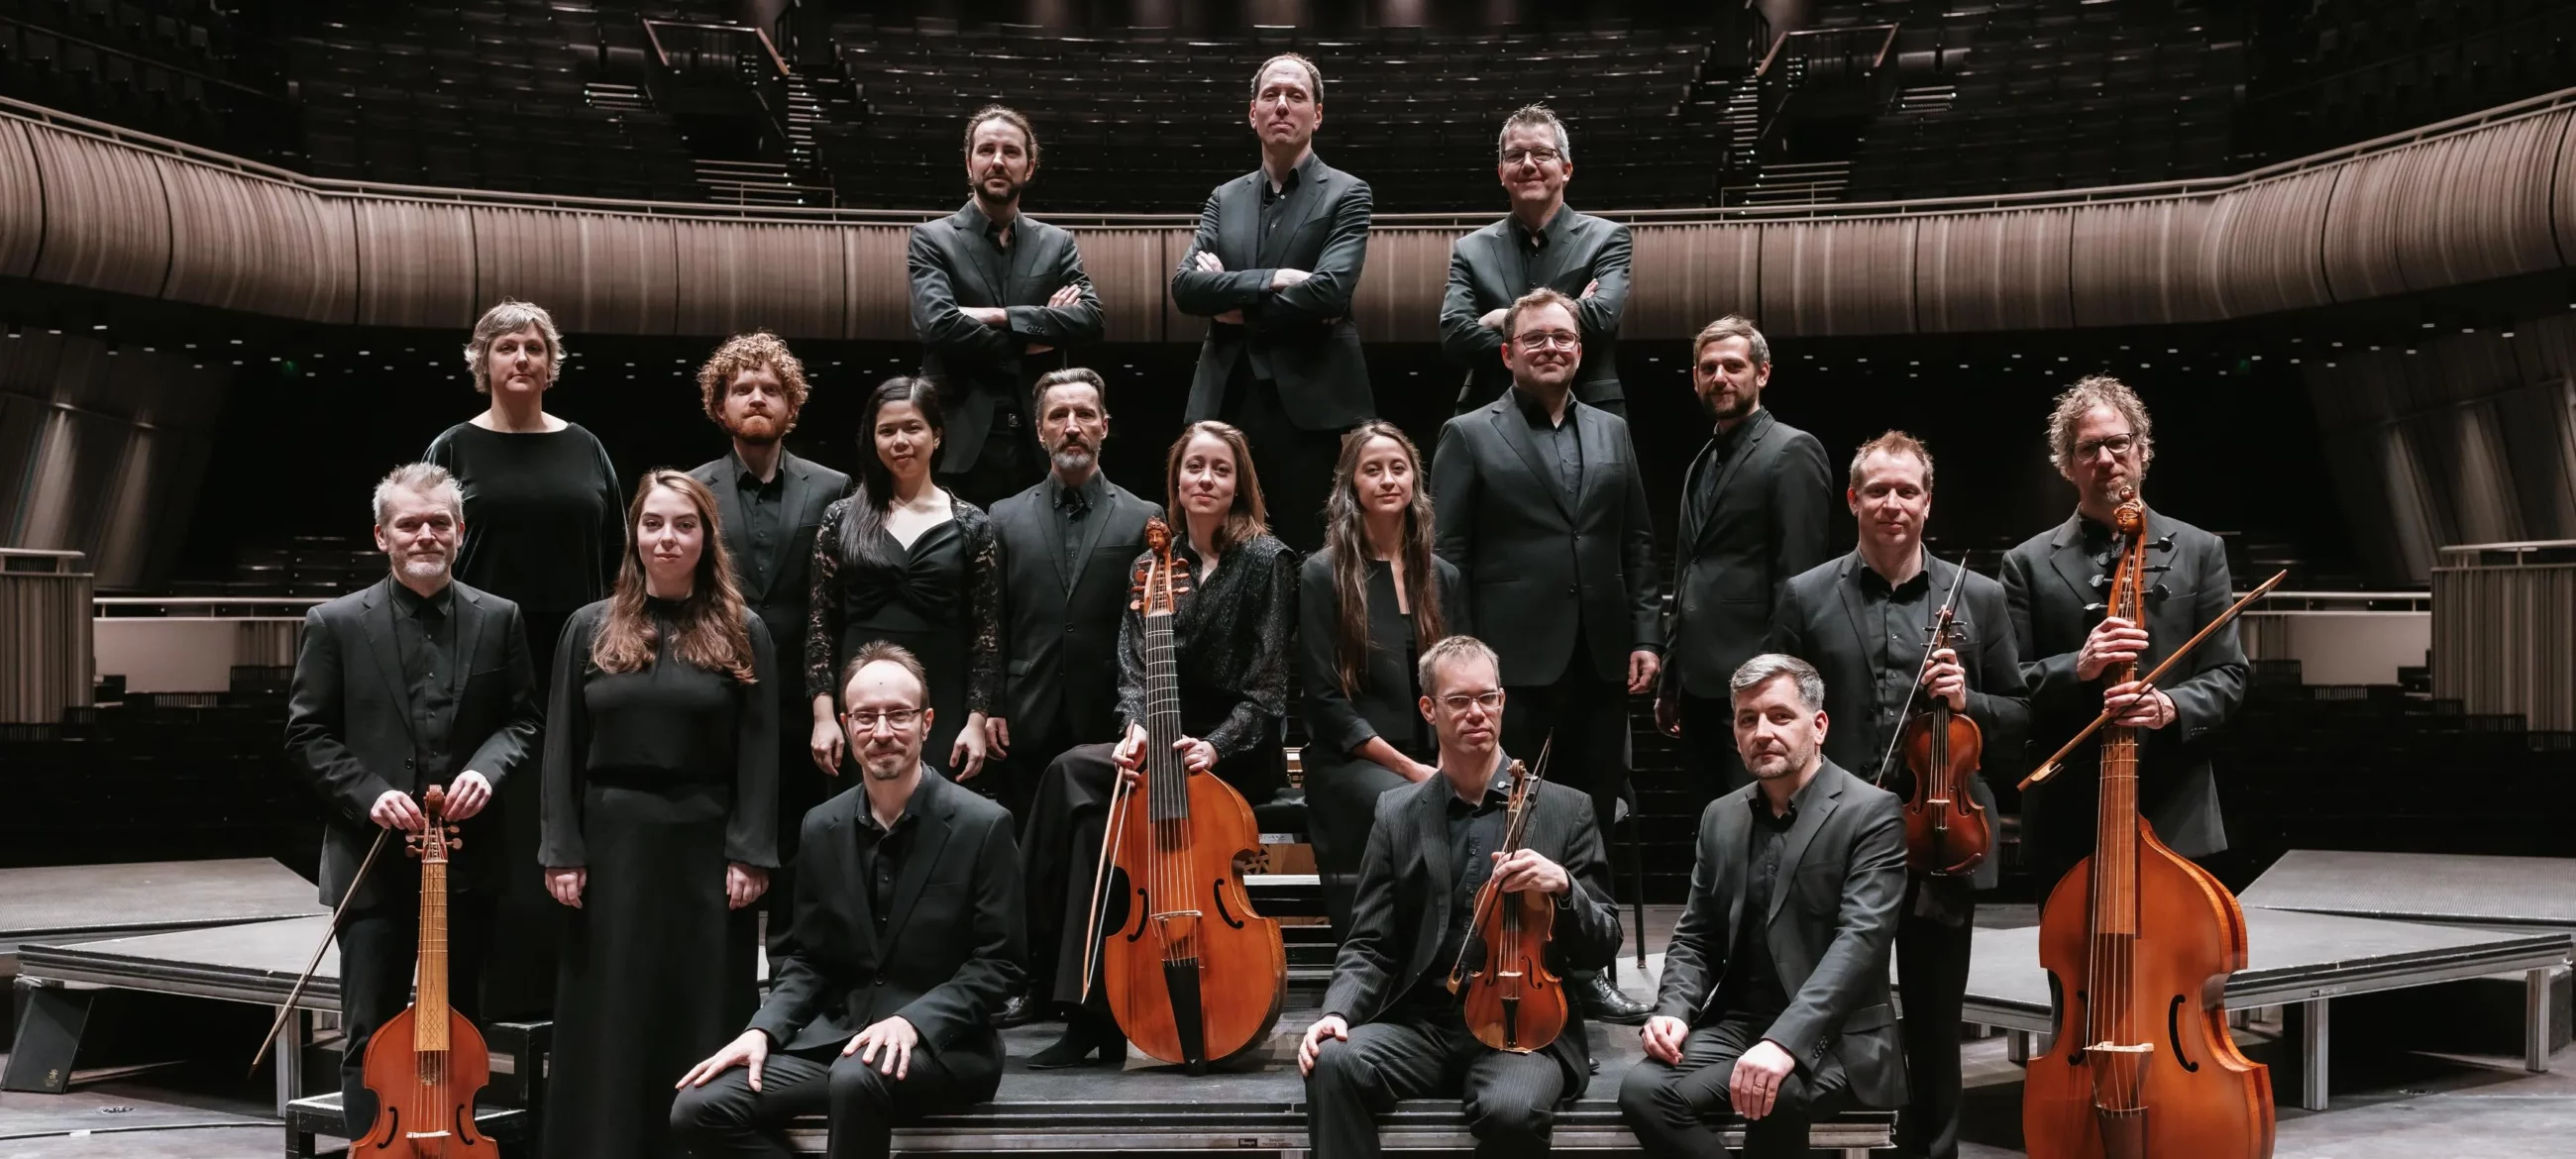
[(1069, 507), (1751, 986), (882, 851), (763, 508), (1475, 832), (425, 635), (1899, 622), (1723, 444), (1556, 439)]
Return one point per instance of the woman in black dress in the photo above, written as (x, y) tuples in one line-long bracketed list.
[(661, 774), (542, 506), (1230, 636), (1367, 605), (905, 562)]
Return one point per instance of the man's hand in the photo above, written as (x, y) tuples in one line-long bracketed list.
[(396, 810), (1643, 665), (997, 736), (1527, 872), (1070, 295), (826, 747), (1756, 1082), (466, 795), (988, 315), (1668, 711), (1663, 1037), (1208, 263), (744, 884), (1327, 1028), (750, 1050), (895, 1038), (1590, 288), (1944, 679), (1283, 277), (566, 883), (1230, 318), (1493, 319), (2113, 641), (2139, 705)]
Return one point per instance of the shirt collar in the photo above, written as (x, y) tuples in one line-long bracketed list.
[(977, 221), (868, 811), (1536, 411), (1872, 583), (1545, 235), (1761, 803), (748, 481), (412, 602), (1095, 488), (1760, 420), (1498, 788), (1301, 174)]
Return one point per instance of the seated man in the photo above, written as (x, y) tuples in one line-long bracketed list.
[(1391, 1029), (1781, 1011), (874, 1039)]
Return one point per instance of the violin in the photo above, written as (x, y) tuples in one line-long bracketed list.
[(2138, 943), (425, 1064), (1194, 974), (1510, 999), (1945, 829)]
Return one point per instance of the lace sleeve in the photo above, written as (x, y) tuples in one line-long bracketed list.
[(823, 603), (983, 610), (1131, 665), (1265, 622)]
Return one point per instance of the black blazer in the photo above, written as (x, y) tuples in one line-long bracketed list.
[(1774, 497), (1487, 272), (1524, 553), (1384, 704), (349, 732), (2049, 588), (952, 948), (781, 603), (982, 368), (1301, 337), (1843, 865), (1059, 628), (1819, 621), (1404, 893)]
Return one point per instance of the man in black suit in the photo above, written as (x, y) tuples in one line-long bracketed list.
[(1864, 621), (1391, 1028), (416, 681), (1542, 243), (852, 1028), (1774, 1001), (2100, 440), (1754, 506), (769, 502), (992, 290), (1273, 267), (1540, 503), (1067, 545)]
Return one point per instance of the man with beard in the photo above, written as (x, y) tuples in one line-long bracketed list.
[(2100, 441), (1066, 547), (417, 681), (1542, 243), (1774, 1002), (869, 1037), (1540, 503), (1272, 268), (769, 503), (993, 289), (1754, 506)]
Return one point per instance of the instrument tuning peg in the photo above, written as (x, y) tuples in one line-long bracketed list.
[(2160, 568), (2157, 592), (2097, 607), (2101, 581), (2165, 544)]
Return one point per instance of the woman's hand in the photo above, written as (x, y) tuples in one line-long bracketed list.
[(827, 743), (1197, 756), (967, 755), (1131, 748), (566, 883), (744, 884)]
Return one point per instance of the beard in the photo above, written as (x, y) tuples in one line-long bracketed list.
[(889, 765), (1728, 407), (985, 195), (760, 428), (1770, 766), (426, 567), (1072, 458)]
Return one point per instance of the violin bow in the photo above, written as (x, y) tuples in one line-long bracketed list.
[(1476, 921), (1931, 643), (1100, 877), (2048, 768), (287, 1011)]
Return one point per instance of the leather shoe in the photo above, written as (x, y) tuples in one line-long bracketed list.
[(1603, 1002), (1021, 1010)]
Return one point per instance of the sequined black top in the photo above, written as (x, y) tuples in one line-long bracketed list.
[(1231, 631)]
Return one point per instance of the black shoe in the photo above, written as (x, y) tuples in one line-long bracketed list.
[(1603, 1002), (1021, 1010), (1084, 1036)]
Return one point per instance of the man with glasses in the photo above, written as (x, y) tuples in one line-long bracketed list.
[(1391, 1028), (869, 1037), (2055, 583), (1541, 244), (1541, 506)]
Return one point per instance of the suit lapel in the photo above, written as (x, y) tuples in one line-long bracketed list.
[(1802, 833), (1303, 201), (1051, 529), (1240, 232), (1094, 525), (979, 254), (1734, 833), (1757, 429), (791, 503), (1690, 487), (1592, 437), (378, 616), (2066, 554), (735, 514), (930, 835), (469, 628), (1515, 430), (1430, 809)]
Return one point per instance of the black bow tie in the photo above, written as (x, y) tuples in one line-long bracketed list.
[(1072, 502)]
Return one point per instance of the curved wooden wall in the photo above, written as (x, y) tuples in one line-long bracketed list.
[(2485, 198)]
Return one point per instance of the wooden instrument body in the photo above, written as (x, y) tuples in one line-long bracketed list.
[(1511, 1000), (412, 1101), (1946, 831)]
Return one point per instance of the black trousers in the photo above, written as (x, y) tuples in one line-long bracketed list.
[(1588, 716), (1295, 464), (1708, 744), (1510, 1098), (1341, 808), (379, 947), (1009, 462), (1675, 1110), (726, 1119), (1932, 980), (801, 786)]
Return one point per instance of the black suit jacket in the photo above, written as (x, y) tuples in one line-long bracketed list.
[(1832, 923), (1819, 620), (952, 948), (1301, 337), (781, 603), (2049, 588), (1488, 271), (349, 731), (1525, 553), (1404, 894), (1386, 703), (1059, 627), (1774, 496), (983, 368)]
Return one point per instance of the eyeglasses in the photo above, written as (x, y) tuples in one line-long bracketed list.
[(1542, 156), (2118, 445), (1460, 702), (897, 719), (1558, 340)]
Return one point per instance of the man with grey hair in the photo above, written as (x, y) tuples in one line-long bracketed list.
[(415, 682), (1774, 1003), (1541, 243)]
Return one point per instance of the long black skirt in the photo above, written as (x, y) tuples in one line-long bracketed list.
[(656, 972)]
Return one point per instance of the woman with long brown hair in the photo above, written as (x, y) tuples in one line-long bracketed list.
[(660, 824), (1367, 604), (1230, 633)]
